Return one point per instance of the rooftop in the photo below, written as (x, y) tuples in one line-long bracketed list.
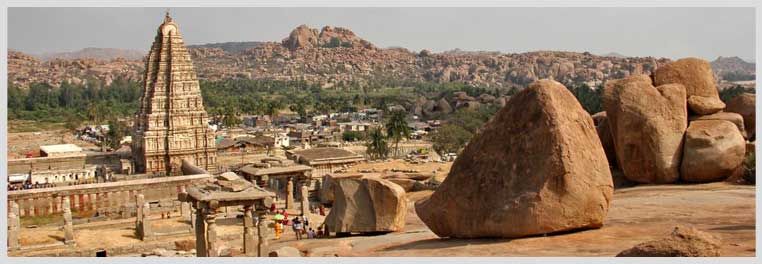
[(323, 154), (60, 148)]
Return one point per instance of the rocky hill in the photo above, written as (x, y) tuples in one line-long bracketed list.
[(102, 54), (231, 47), (334, 56), (734, 67)]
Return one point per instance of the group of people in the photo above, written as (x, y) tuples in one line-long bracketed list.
[(300, 225), (28, 186)]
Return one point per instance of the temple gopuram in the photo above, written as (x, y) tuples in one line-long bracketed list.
[(171, 123)]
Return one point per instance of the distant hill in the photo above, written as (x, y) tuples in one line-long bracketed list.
[(102, 54), (230, 47), (614, 54), (336, 57), (734, 69)]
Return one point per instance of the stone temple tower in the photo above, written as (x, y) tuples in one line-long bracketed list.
[(171, 123)]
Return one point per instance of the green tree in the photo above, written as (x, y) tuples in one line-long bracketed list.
[(397, 129), (377, 147), (352, 135), (450, 139), (117, 130)]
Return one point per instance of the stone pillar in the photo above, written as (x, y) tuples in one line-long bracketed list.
[(211, 234), (290, 193), (31, 207), (17, 211), (21, 204), (139, 201), (68, 225), (144, 224), (93, 201), (14, 227), (200, 229), (50, 205), (57, 203), (262, 233), (76, 202), (185, 207), (248, 231), (305, 199), (109, 199), (185, 210)]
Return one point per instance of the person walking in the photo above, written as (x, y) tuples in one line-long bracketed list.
[(297, 225)]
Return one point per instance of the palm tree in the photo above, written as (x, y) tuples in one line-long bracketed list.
[(397, 129), (377, 148)]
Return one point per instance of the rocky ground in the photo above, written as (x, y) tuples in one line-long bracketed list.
[(637, 214)]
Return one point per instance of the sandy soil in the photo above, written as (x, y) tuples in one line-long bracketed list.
[(21, 143)]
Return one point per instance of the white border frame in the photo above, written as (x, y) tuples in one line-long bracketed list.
[(346, 3)]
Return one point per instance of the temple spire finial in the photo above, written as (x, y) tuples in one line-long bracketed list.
[(167, 18)]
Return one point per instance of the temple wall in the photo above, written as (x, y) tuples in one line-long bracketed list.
[(100, 196)]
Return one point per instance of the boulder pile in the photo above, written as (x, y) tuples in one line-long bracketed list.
[(672, 127), (507, 183)]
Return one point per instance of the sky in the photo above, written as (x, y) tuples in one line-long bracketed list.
[(660, 32)]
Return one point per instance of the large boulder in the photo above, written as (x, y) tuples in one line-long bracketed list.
[(704, 105), (683, 242), (301, 37), (604, 134), (697, 77), (367, 204), (537, 167), (734, 118), (647, 124), (443, 106), (713, 150), (745, 105), (327, 189)]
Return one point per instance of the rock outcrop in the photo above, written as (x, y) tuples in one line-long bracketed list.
[(713, 150), (697, 78), (647, 124), (704, 105), (734, 118), (745, 104), (301, 37), (507, 183), (683, 242), (367, 204)]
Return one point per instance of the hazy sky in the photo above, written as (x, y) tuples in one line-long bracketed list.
[(659, 32)]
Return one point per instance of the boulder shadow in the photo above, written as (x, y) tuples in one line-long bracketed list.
[(57, 238), (443, 243)]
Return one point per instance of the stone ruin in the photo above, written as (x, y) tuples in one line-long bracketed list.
[(228, 190)]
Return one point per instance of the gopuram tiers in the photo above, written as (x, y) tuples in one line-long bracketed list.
[(171, 123)]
